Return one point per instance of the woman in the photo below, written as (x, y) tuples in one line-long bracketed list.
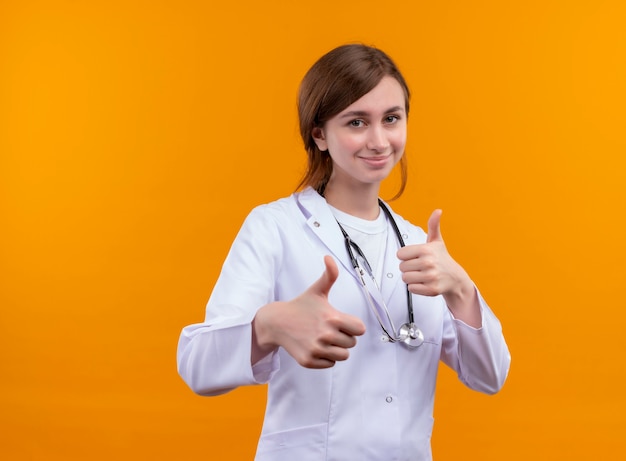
[(351, 357)]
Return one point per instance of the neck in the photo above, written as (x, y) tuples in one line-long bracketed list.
[(361, 202)]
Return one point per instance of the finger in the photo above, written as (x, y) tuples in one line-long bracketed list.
[(317, 363), (336, 354), (419, 277), (324, 356), (323, 285), (434, 230), (409, 252), (331, 353), (343, 340), (352, 326), (415, 264), (423, 289)]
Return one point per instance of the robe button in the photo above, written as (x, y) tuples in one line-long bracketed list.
[(316, 224), (389, 275), (389, 399)]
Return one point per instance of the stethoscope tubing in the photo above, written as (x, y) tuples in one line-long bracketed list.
[(408, 334)]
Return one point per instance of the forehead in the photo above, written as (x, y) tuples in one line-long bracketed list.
[(385, 96)]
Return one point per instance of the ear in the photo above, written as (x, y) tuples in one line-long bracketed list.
[(320, 140)]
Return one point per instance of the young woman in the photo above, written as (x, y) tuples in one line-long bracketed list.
[(351, 357)]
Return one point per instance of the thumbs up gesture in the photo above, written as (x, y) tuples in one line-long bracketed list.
[(312, 331), (428, 269)]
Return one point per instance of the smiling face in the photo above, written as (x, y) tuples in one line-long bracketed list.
[(367, 138)]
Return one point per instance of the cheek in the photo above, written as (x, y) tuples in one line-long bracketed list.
[(345, 143), (398, 140)]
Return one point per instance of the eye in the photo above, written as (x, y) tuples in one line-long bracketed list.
[(357, 123), (391, 119)]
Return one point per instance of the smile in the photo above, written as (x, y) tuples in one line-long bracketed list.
[(377, 161)]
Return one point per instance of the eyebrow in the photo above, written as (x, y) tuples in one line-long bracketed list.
[(362, 113)]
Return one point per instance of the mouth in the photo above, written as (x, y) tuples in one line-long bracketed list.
[(377, 160)]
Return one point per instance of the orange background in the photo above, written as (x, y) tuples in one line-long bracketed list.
[(136, 135)]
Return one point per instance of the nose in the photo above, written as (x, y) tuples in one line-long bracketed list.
[(377, 140)]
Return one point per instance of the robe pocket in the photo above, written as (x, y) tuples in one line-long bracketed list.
[(302, 444), (431, 340)]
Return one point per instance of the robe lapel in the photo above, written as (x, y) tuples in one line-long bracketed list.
[(321, 221)]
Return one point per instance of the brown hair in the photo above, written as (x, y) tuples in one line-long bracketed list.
[(335, 81)]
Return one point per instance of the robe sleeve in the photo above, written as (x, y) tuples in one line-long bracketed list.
[(480, 356), (213, 357)]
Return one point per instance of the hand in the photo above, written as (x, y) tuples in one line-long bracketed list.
[(312, 331), (429, 270)]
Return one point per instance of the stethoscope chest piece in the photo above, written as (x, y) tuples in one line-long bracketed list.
[(408, 334), (411, 335)]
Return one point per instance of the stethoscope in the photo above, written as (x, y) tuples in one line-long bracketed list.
[(408, 334)]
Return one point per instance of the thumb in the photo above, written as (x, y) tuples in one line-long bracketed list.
[(323, 285), (434, 230)]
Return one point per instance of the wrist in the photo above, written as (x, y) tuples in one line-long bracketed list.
[(463, 303), (263, 342), (461, 291)]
